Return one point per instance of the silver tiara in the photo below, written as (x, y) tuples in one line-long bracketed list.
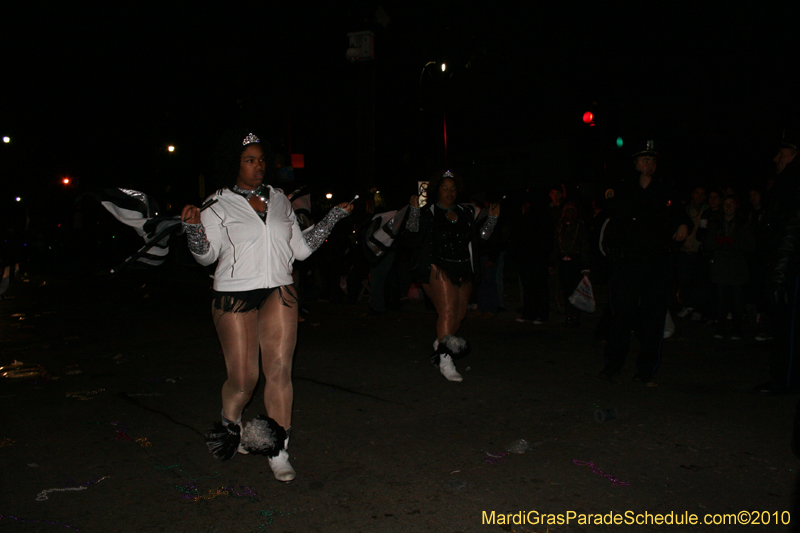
[(448, 174), (250, 139)]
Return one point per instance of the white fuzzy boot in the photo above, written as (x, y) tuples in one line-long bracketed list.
[(280, 465), (448, 369)]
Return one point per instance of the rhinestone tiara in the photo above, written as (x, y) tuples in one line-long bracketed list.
[(448, 174), (250, 139)]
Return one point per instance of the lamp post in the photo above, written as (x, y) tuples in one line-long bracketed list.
[(421, 75), (441, 94)]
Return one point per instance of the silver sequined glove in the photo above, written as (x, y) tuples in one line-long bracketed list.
[(196, 238), (316, 235), (488, 227)]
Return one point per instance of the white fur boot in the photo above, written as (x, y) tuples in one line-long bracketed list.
[(448, 369), (280, 464)]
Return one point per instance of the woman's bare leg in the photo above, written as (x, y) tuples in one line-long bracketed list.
[(450, 301), (238, 334), (277, 333), (464, 292)]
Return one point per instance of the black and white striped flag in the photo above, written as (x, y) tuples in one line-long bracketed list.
[(384, 229), (139, 211)]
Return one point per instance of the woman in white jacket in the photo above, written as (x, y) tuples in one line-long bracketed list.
[(251, 232)]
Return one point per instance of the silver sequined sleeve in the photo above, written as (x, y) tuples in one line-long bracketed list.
[(196, 238), (488, 227), (316, 234), (412, 224)]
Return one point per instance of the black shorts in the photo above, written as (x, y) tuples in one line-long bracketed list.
[(244, 301)]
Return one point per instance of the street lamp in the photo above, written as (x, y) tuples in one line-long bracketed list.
[(444, 112), (170, 148), (6, 139), (421, 77)]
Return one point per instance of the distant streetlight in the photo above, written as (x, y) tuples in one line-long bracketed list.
[(329, 196), (18, 199), (6, 139), (65, 181), (444, 67), (170, 148)]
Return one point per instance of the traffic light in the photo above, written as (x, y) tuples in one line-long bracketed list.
[(588, 118)]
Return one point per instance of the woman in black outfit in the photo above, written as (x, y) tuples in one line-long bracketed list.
[(443, 232)]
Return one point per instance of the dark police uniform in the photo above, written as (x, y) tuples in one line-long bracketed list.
[(782, 235), (638, 241)]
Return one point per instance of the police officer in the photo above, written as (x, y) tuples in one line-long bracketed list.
[(645, 221), (782, 231)]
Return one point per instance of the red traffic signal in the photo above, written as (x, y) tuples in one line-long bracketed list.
[(588, 118)]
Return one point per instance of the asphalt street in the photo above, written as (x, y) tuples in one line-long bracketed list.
[(106, 433)]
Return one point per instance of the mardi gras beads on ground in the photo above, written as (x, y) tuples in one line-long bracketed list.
[(614, 481)]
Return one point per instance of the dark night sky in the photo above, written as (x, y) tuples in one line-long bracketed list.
[(97, 94)]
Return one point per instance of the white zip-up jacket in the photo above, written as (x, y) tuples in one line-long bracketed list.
[(251, 254)]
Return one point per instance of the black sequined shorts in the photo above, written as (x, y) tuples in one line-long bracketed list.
[(244, 301)]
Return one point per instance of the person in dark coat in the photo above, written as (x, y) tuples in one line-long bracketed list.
[(533, 244), (781, 231), (728, 242), (645, 219), (570, 255)]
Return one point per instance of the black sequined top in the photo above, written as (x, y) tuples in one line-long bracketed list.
[(450, 239), (444, 242)]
